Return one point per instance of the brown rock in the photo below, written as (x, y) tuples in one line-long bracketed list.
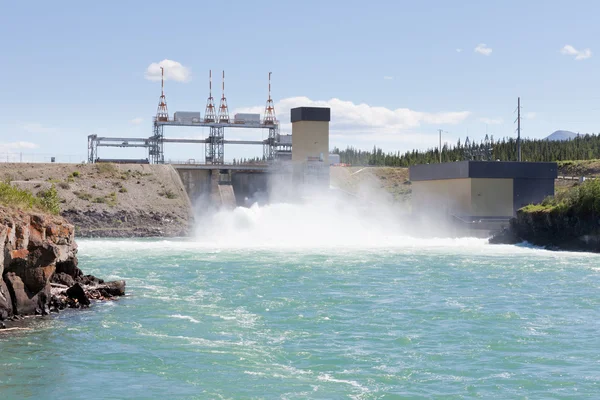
[(51, 230), (6, 307), (76, 292), (22, 234), (63, 279), (24, 301), (36, 237), (113, 288)]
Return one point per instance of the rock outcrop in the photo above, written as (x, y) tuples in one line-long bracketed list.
[(553, 230), (39, 267)]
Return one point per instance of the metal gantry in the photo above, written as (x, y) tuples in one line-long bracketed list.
[(274, 147)]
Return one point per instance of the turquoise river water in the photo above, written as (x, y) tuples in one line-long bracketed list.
[(319, 317)]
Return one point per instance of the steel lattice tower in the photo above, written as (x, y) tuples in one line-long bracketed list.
[(270, 108), (223, 109), (210, 114), (162, 113)]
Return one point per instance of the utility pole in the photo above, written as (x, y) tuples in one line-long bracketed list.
[(519, 129), (440, 131)]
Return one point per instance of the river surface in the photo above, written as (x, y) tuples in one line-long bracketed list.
[(396, 318)]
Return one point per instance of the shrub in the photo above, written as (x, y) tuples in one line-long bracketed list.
[(50, 200), (83, 195), (106, 168), (111, 199), (123, 190), (75, 174), (583, 200), (168, 194)]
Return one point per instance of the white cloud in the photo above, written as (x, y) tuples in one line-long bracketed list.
[(348, 118), (388, 78), (14, 146), (483, 49), (173, 71), (459, 50), (579, 54), (136, 121), (530, 115), (34, 127), (491, 121)]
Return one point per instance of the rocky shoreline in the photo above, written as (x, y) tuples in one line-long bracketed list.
[(39, 268), (553, 231), (127, 224)]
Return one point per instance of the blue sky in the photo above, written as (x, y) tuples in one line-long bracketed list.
[(393, 72)]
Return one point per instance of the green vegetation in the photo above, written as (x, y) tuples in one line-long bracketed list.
[(579, 167), (106, 168), (123, 190), (83, 195), (583, 200), (50, 200), (169, 194), (76, 174), (110, 200), (46, 201), (584, 147)]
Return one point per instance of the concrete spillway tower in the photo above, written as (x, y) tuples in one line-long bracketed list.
[(310, 133), (310, 144)]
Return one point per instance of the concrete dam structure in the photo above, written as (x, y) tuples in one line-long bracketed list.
[(227, 187)]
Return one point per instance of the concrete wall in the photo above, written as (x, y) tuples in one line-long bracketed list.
[(491, 197), (531, 191), (463, 197), (250, 187), (195, 181), (445, 196), (310, 139)]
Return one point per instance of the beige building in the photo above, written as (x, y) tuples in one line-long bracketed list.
[(310, 144), (472, 190)]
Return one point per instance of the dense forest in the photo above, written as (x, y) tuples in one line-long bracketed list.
[(583, 147)]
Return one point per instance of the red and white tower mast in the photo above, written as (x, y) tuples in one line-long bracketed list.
[(223, 109), (210, 114), (270, 108), (162, 113)]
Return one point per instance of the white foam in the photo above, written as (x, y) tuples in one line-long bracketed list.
[(187, 317), (325, 224), (329, 378)]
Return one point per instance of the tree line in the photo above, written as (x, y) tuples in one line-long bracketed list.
[(582, 147)]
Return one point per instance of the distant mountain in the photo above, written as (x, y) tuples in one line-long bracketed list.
[(562, 135)]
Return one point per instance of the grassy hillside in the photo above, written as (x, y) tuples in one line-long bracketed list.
[(582, 199), (46, 201), (579, 168)]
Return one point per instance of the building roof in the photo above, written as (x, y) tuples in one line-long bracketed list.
[(484, 169), (311, 114)]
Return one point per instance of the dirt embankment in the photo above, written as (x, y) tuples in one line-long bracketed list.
[(111, 200), (389, 182)]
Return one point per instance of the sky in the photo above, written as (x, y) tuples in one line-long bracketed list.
[(393, 72)]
